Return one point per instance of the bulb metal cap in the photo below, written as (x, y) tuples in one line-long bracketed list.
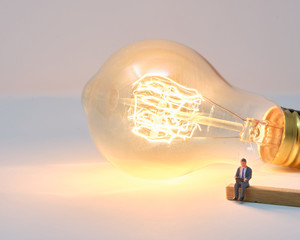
[(289, 151)]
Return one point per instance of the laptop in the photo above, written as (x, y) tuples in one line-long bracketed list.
[(239, 179)]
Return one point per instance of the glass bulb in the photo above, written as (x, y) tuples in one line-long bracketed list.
[(157, 109)]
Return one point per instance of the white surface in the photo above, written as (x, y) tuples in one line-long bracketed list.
[(95, 201), (55, 185)]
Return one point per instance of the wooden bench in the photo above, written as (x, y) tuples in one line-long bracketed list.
[(268, 195)]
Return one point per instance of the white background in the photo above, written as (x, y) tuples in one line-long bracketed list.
[(53, 182), (51, 47)]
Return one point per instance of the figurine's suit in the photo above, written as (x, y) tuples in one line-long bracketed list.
[(243, 185)]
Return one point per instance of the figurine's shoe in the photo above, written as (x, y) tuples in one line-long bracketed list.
[(241, 199), (235, 198)]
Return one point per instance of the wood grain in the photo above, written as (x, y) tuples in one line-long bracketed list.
[(268, 195)]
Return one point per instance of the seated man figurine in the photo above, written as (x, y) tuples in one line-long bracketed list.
[(242, 177)]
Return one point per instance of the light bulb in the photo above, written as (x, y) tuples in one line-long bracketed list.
[(158, 109)]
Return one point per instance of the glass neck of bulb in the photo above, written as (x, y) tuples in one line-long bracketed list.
[(261, 132)]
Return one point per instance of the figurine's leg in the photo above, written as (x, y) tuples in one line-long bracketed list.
[(243, 187), (236, 190)]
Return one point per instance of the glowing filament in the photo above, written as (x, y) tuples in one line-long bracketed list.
[(164, 110)]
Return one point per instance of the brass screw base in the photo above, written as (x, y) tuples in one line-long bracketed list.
[(289, 151)]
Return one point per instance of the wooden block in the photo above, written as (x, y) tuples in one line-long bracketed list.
[(268, 195)]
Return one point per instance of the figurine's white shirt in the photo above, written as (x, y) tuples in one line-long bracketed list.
[(241, 169)]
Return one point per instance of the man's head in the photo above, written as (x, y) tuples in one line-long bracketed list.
[(243, 162)]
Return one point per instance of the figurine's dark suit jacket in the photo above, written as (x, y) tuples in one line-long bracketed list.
[(243, 185), (248, 173)]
